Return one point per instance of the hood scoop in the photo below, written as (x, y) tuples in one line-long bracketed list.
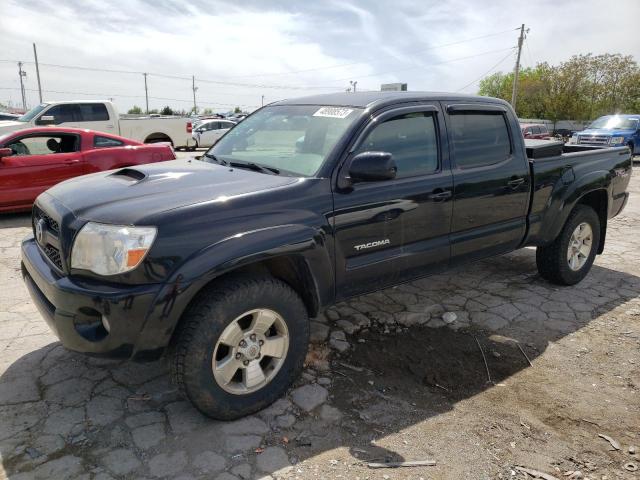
[(128, 175)]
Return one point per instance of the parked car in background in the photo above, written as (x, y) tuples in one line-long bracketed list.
[(210, 131), (35, 159), (8, 116), (535, 130), (102, 116), (614, 130)]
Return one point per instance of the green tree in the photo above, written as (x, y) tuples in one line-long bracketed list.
[(237, 110), (135, 110), (581, 88), (207, 111), (153, 111), (166, 111)]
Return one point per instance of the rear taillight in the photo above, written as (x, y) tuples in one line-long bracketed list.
[(189, 127)]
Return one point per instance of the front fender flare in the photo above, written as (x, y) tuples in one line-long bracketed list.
[(229, 254)]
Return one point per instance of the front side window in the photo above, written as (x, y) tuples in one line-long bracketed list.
[(295, 139), (411, 139), (45, 145), (105, 142), (479, 138), (64, 113)]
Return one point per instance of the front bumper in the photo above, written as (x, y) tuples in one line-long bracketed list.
[(98, 318)]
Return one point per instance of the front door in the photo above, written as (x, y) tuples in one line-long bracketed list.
[(391, 231), (39, 162), (491, 181)]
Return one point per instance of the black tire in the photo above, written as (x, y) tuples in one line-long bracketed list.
[(552, 259), (203, 323)]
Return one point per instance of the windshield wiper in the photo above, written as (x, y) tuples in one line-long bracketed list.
[(216, 159), (256, 167)]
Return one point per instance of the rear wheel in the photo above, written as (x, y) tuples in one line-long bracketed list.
[(569, 258), (240, 346)]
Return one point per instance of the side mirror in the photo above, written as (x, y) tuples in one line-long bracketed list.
[(372, 167), (47, 120), (5, 152)]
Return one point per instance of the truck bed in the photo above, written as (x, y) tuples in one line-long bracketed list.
[(556, 176)]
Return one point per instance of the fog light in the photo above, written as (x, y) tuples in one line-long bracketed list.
[(90, 324)]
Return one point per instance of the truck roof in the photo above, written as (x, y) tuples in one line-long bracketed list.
[(378, 99), (52, 102)]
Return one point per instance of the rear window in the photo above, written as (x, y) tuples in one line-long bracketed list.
[(105, 142), (479, 138)]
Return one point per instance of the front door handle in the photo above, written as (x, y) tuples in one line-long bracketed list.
[(516, 182), (440, 196), (72, 160)]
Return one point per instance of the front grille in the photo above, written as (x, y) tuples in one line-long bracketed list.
[(593, 139), (51, 223), (54, 255)]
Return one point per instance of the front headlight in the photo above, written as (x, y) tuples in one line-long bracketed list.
[(616, 140), (111, 249)]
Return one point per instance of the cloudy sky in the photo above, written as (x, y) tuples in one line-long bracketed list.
[(242, 50)]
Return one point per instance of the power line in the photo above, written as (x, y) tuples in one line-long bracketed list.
[(428, 65), (486, 73), (114, 95), (376, 59)]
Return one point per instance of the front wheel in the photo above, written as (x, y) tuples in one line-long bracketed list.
[(569, 258), (240, 346)]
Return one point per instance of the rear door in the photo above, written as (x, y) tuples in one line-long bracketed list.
[(391, 231), (40, 161), (491, 181)]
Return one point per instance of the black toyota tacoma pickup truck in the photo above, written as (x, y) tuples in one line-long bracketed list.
[(220, 261)]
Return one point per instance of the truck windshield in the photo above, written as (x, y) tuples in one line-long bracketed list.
[(27, 117), (290, 138), (615, 123)]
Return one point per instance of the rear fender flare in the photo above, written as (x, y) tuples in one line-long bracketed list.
[(561, 206)]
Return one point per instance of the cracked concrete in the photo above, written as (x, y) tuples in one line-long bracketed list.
[(64, 415)]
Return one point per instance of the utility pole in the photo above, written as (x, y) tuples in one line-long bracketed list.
[(22, 74), (516, 72), (262, 103), (353, 84), (193, 85), (35, 55), (146, 92)]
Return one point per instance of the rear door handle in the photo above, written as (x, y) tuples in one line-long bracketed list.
[(516, 182), (440, 196)]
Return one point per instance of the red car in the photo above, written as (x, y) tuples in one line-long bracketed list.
[(35, 159), (535, 130)]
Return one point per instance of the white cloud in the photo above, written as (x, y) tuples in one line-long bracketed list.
[(257, 44)]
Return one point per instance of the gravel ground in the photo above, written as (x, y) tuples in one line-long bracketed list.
[(397, 375)]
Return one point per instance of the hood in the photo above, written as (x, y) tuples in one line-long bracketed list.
[(603, 131), (129, 195), (7, 126)]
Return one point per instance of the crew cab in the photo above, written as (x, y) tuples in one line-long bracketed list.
[(613, 130), (35, 159), (102, 116), (220, 262)]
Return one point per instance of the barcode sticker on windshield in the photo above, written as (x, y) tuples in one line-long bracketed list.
[(333, 112)]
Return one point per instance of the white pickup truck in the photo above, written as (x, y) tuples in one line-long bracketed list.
[(102, 116)]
